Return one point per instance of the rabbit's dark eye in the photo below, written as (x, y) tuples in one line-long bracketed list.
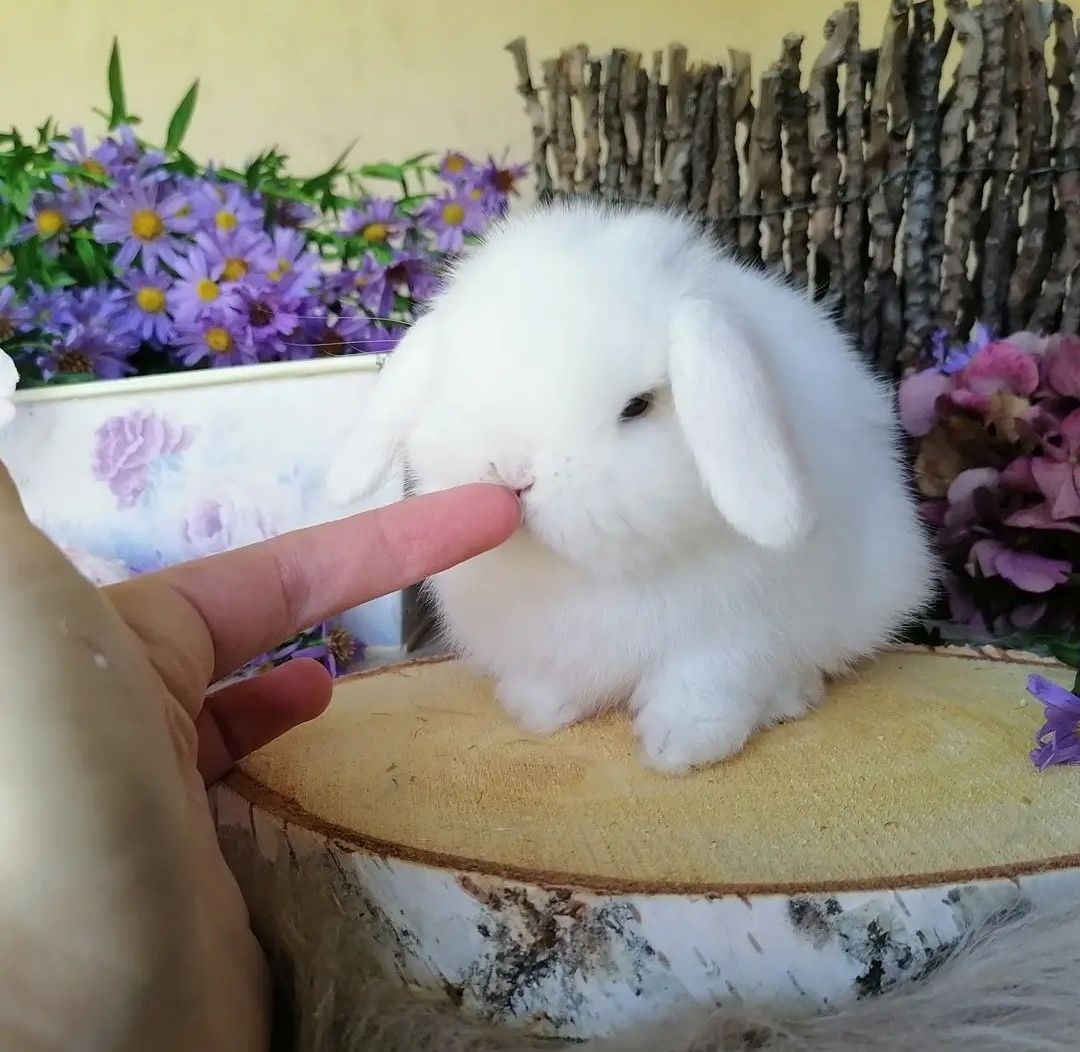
[(638, 406)]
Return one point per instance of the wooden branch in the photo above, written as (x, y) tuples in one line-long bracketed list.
[(793, 112), (676, 131), (703, 142), (584, 82), (723, 203), (1034, 255), (633, 113), (565, 138), (534, 110), (1012, 151), (890, 123), (1048, 308), (851, 245), (653, 123), (613, 127), (766, 170), (956, 290), (927, 58), (823, 120)]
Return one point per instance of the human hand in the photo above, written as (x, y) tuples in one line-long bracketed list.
[(120, 925)]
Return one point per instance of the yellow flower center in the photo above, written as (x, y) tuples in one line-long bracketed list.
[(147, 225), (207, 290), (95, 168), (341, 645), (150, 299), (375, 232), (49, 221), (455, 163), (283, 267), (453, 214), (235, 269), (218, 340), (225, 220), (476, 193)]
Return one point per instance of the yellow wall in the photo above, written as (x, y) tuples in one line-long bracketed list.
[(398, 77)]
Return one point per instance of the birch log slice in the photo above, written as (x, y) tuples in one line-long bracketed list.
[(559, 886)]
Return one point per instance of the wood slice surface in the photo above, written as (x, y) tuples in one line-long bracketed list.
[(914, 772)]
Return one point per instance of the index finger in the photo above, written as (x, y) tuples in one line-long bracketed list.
[(253, 598)]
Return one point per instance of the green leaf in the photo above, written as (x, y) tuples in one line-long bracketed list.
[(1066, 653), (85, 251), (116, 87), (383, 170), (181, 118), (419, 159), (324, 179)]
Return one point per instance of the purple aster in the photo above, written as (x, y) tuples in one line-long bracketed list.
[(457, 170), (292, 266), (218, 337), (376, 222), (368, 285), (145, 312), (53, 213), (497, 183), (334, 647), (327, 337), (1057, 740), (143, 220), (452, 217), (131, 162), (950, 358), (12, 316), (74, 151), (242, 253), (268, 318), (224, 206), (412, 272), (197, 287), (290, 214), (85, 350), (45, 309)]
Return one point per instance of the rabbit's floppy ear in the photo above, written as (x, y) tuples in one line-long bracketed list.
[(735, 424), (371, 448)]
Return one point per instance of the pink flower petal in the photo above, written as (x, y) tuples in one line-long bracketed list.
[(1017, 475), (1039, 518), (1063, 365), (984, 555), (919, 393), (1000, 366), (1032, 572), (1060, 484), (967, 482)]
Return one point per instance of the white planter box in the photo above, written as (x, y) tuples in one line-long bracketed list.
[(135, 475)]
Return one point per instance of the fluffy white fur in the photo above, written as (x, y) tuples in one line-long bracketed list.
[(707, 562)]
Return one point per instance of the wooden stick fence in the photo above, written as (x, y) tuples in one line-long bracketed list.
[(913, 207)]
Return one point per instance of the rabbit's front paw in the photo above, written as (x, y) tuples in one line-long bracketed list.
[(538, 708)]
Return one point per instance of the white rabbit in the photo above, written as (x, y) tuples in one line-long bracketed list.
[(715, 512)]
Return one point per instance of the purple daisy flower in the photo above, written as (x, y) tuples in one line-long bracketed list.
[(498, 183), (87, 350), (327, 337), (290, 214), (457, 170), (145, 310), (131, 162), (53, 213), (224, 207), (242, 253), (376, 222), (1057, 740), (452, 217), (12, 316), (268, 318), (412, 272), (143, 220), (197, 287), (292, 265), (217, 337), (368, 285), (334, 647), (76, 152), (45, 309)]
